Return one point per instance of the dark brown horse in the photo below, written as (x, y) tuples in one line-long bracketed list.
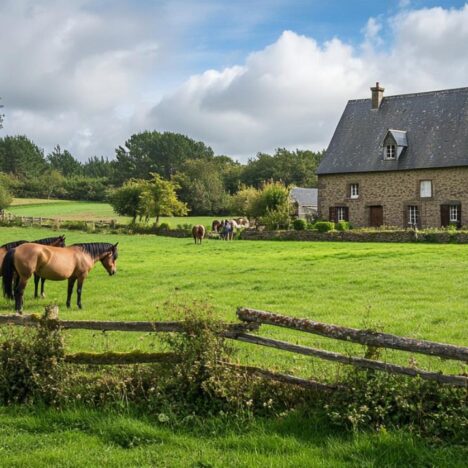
[(198, 233), (54, 241), (54, 263), (215, 225)]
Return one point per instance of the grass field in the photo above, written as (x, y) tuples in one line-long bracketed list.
[(83, 210), (415, 290)]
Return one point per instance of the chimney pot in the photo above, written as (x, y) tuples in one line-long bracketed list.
[(377, 95)]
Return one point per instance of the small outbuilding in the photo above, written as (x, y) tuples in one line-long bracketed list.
[(305, 202)]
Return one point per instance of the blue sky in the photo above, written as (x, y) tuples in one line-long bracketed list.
[(242, 76)]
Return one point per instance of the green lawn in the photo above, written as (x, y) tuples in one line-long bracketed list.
[(84, 210), (415, 290), (80, 438)]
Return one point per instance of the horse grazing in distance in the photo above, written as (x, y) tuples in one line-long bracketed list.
[(215, 225), (55, 242), (198, 233), (54, 263)]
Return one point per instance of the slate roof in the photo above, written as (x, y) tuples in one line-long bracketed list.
[(399, 136), (436, 126), (305, 196)]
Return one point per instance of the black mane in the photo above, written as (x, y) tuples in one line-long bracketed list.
[(48, 240), (12, 245), (96, 249)]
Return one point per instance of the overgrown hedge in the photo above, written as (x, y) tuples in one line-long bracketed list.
[(33, 370)]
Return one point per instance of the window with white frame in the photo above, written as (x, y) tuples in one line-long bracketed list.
[(390, 152), (341, 214), (354, 190), (413, 215), (425, 188), (453, 214)]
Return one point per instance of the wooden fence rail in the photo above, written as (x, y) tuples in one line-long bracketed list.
[(172, 326), (251, 321), (364, 337)]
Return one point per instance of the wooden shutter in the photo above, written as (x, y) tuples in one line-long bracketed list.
[(332, 215), (444, 215), (346, 213), (459, 224)]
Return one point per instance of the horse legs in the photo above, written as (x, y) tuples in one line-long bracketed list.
[(19, 293), (71, 284), (36, 286), (79, 288), (42, 287)]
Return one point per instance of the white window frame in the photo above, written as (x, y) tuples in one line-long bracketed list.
[(340, 213), (413, 215), (390, 152), (453, 214), (354, 191), (425, 189)]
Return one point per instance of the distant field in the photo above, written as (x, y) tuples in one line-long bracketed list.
[(82, 210)]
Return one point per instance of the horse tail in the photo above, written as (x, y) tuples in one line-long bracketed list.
[(8, 270)]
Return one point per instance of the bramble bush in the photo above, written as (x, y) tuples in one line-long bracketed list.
[(31, 364), (375, 400)]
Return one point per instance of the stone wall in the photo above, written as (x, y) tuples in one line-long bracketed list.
[(444, 237), (394, 191)]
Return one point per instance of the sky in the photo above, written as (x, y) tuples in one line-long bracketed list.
[(242, 76)]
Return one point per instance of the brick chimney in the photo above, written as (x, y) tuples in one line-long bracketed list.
[(377, 95)]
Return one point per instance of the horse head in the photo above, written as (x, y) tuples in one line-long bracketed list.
[(59, 242), (109, 260)]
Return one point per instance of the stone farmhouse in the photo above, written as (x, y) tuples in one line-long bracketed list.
[(398, 161)]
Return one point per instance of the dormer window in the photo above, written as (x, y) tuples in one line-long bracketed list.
[(394, 144), (390, 152)]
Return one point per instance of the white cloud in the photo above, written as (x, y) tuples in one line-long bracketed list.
[(293, 92), (86, 76)]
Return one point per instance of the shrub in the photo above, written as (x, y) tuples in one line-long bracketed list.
[(273, 196), (342, 226), (299, 224), (324, 226), (378, 400), (276, 219), (164, 227), (5, 198), (185, 227), (31, 364)]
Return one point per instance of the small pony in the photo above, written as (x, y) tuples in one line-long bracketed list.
[(198, 233)]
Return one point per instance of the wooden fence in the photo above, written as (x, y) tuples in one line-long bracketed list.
[(251, 320), (7, 217)]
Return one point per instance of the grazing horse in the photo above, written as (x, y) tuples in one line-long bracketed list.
[(198, 233), (55, 242), (55, 263), (215, 225)]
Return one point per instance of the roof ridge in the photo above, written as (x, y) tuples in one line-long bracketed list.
[(422, 93)]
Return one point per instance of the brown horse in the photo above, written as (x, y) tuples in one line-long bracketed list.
[(54, 242), (73, 263), (198, 233)]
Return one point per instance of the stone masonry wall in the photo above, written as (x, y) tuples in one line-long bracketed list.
[(394, 191)]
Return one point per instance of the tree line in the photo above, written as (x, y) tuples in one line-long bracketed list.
[(205, 183)]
